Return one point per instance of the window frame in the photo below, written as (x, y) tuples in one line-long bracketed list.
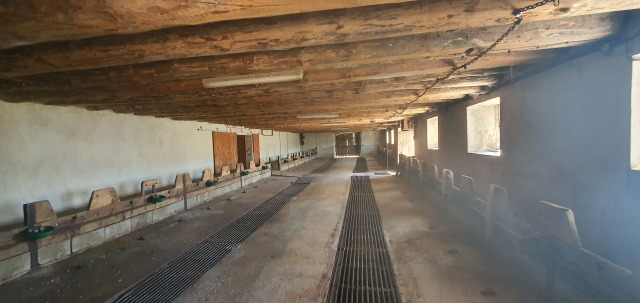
[(474, 138), (436, 122), (634, 140)]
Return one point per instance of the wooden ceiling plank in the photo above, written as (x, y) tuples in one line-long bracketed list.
[(330, 104), (286, 32), (340, 75), (306, 98), (119, 95), (286, 118), (535, 35), (25, 22)]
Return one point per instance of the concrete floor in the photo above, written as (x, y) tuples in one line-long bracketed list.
[(290, 258), (438, 259)]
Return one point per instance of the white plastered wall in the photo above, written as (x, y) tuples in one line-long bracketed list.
[(63, 154), (369, 141), (323, 141)]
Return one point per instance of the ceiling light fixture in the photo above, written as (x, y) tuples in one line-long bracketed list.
[(317, 116), (333, 123), (253, 79)]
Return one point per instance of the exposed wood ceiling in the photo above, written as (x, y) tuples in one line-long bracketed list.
[(362, 60)]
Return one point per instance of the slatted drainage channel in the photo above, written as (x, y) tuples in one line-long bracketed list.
[(324, 167), (361, 166), (363, 271), (167, 283)]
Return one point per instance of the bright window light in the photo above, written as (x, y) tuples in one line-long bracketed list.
[(432, 133), (483, 128), (635, 113)]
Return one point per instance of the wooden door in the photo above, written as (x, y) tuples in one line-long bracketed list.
[(225, 151), (347, 145)]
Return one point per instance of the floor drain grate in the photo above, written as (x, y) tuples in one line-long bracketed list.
[(361, 166), (168, 282), (362, 270), (324, 167)]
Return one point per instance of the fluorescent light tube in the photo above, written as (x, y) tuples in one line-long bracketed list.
[(317, 116), (253, 79)]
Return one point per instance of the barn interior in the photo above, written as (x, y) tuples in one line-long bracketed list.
[(320, 151)]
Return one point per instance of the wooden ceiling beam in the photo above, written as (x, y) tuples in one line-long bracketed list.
[(270, 123), (344, 109), (309, 106), (286, 32), (536, 35), (424, 67), (306, 128), (356, 113), (31, 21), (310, 99), (193, 90), (119, 95)]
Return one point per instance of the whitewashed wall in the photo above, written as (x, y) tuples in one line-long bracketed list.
[(62, 154)]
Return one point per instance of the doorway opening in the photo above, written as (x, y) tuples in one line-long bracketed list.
[(347, 145), (249, 150)]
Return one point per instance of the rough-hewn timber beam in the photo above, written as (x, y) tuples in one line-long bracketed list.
[(535, 35), (32, 21), (232, 111), (325, 101), (191, 91), (352, 114), (119, 95), (312, 98), (288, 32), (303, 127)]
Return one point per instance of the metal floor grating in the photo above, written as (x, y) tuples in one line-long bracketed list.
[(324, 167), (361, 166), (363, 271), (167, 283)]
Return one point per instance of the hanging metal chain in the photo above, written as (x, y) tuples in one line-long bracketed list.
[(518, 12), (519, 18)]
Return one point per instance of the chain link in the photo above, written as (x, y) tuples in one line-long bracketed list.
[(519, 18), (518, 12)]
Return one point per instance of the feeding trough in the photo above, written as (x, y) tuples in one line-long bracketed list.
[(210, 183), (156, 198), (38, 232)]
